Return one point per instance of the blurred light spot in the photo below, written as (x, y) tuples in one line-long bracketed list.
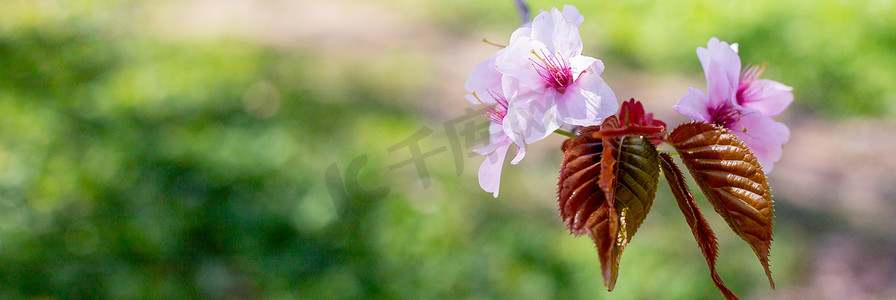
[(55, 187), (262, 100), (315, 210)]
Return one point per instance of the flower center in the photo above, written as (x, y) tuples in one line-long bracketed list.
[(748, 76), (555, 71), (725, 116), (494, 112)]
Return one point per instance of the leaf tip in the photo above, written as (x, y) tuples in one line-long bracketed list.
[(768, 272), (609, 280)]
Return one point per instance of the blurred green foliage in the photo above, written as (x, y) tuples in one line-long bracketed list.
[(138, 167)]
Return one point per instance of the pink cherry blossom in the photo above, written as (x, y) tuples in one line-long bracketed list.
[(496, 150), (556, 84), (486, 89), (738, 100)]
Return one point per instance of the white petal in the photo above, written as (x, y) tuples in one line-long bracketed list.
[(560, 36), (523, 31), (516, 60), (572, 15), (588, 102), (581, 63), (531, 120)]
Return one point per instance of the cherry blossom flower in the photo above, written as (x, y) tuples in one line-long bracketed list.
[(556, 83), (486, 89), (738, 100)]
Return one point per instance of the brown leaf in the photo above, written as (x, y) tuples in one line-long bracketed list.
[(608, 161), (579, 194), (637, 175), (605, 231), (583, 204), (703, 234), (732, 180), (607, 185), (603, 227)]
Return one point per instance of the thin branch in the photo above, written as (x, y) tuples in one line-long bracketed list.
[(523, 10)]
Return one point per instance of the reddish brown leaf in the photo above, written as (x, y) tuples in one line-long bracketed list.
[(583, 204), (634, 121), (608, 161), (603, 227), (703, 234), (579, 194), (636, 177), (732, 180), (632, 113), (607, 185)]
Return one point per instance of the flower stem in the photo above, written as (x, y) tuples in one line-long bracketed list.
[(564, 133)]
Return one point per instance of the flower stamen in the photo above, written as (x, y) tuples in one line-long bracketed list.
[(494, 112), (555, 71), (725, 116), (751, 73), (748, 76), (494, 44)]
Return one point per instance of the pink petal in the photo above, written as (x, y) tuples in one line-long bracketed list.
[(693, 105), (588, 101), (516, 61), (512, 88), (484, 78), (490, 170), (496, 137), (520, 153), (720, 89), (514, 123), (722, 67), (763, 135), (552, 29), (767, 96), (703, 54), (720, 51)]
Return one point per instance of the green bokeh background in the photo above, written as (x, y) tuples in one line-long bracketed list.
[(139, 162)]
